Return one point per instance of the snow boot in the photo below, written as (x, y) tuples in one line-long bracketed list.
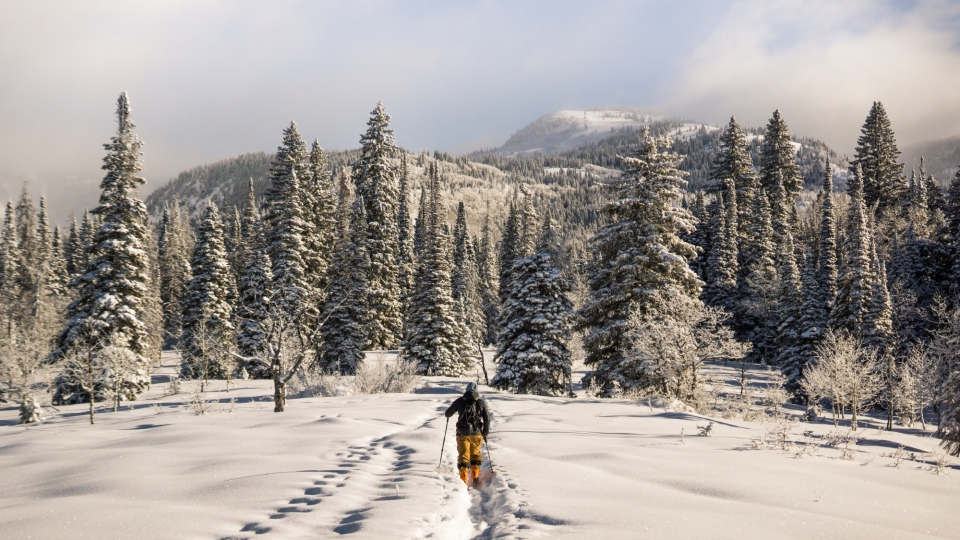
[(475, 473), (464, 475)]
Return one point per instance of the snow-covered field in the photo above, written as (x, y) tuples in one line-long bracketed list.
[(367, 467)]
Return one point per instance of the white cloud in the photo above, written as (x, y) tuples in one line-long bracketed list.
[(823, 63)]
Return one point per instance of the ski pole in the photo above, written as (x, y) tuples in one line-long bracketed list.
[(489, 459), (445, 442)]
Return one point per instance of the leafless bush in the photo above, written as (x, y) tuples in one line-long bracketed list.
[(381, 377)]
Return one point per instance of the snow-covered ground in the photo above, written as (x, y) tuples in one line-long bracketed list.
[(367, 467)]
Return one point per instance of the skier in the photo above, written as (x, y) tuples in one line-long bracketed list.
[(473, 425)]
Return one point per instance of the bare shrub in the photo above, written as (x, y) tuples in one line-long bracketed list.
[(381, 377)]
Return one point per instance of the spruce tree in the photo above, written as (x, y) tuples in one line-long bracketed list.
[(488, 290), (207, 307), (420, 224), (73, 249), (528, 222), (759, 284), (405, 253), (175, 244), (878, 324), (509, 244), (109, 307), (733, 162), (376, 184), (319, 208), (811, 321), (344, 310), (532, 353), (285, 225), (435, 338), (827, 264), (789, 303), (640, 257), (56, 283), (254, 290), (853, 284), (778, 158), (722, 267), (876, 154), (87, 231)]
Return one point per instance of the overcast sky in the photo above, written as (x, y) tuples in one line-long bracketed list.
[(210, 80)]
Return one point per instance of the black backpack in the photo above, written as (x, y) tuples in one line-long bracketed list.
[(470, 420)]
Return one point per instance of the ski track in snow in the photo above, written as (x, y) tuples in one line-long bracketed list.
[(377, 489)]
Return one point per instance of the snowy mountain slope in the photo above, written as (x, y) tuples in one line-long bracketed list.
[(367, 466), (941, 158), (565, 130)]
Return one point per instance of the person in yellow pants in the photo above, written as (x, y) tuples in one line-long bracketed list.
[(473, 425)]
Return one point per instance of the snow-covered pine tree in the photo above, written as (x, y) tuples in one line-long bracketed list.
[(758, 287), (789, 303), (778, 158), (509, 243), (722, 267), (464, 284), (9, 263), (375, 178), (853, 284), (56, 283), (319, 208), (87, 231), (876, 154), (700, 237), (878, 323), (405, 254), (111, 291), (254, 290), (950, 414), (827, 264), (532, 354), (285, 226), (73, 249), (175, 244), (420, 224), (640, 258), (435, 338), (733, 162), (935, 200), (345, 310), (486, 271), (811, 328), (952, 209), (26, 282), (44, 236), (207, 308), (529, 226)]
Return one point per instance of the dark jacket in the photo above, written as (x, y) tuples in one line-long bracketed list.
[(470, 399)]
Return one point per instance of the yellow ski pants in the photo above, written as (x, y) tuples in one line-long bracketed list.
[(468, 450)]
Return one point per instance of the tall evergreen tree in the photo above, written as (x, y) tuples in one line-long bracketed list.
[(733, 162), (109, 307), (509, 244), (759, 283), (345, 311), (435, 338), (778, 158), (811, 327), (876, 155), (878, 324), (853, 284), (285, 225), (254, 291), (73, 249), (722, 267), (529, 225), (639, 257), (827, 264), (405, 253), (532, 353), (420, 224), (789, 303), (319, 207), (175, 244), (207, 307), (375, 178), (486, 274)]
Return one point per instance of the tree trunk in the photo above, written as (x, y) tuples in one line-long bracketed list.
[(483, 365), (279, 394)]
